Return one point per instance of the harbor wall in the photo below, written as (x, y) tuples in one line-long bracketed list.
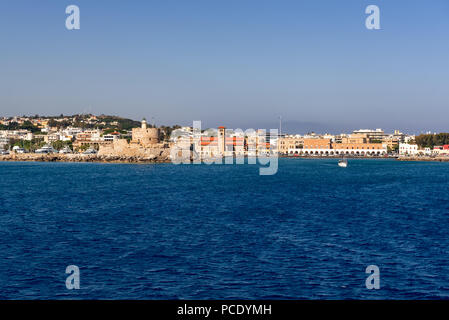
[(85, 158)]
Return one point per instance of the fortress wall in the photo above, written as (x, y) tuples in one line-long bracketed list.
[(122, 148)]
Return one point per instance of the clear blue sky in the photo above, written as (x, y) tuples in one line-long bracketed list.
[(240, 63)]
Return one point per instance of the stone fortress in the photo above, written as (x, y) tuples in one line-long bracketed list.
[(145, 143), (144, 136)]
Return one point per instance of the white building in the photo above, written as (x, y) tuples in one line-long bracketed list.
[(408, 149), (4, 140), (71, 131), (441, 150), (111, 137), (377, 134)]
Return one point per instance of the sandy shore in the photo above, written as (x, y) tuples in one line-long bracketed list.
[(81, 158)]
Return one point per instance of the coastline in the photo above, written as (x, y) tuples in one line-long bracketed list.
[(398, 158), (336, 157), (32, 157), (433, 159)]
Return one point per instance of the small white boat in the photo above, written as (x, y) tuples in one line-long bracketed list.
[(343, 163)]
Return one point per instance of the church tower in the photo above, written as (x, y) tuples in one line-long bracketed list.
[(221, 140)]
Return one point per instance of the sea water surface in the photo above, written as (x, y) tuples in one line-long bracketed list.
[(223, 231)]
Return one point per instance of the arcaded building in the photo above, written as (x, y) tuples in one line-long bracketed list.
[(326, 147)]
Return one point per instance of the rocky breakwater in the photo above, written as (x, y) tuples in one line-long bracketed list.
[(424, 158), (85, 158)]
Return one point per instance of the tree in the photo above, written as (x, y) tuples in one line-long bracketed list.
[(431, 140), (58, 145), (83, 147)]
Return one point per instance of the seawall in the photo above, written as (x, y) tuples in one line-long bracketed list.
[(437, 159), (83, 158)]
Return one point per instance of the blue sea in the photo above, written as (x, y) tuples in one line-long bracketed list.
[(169, 231)]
